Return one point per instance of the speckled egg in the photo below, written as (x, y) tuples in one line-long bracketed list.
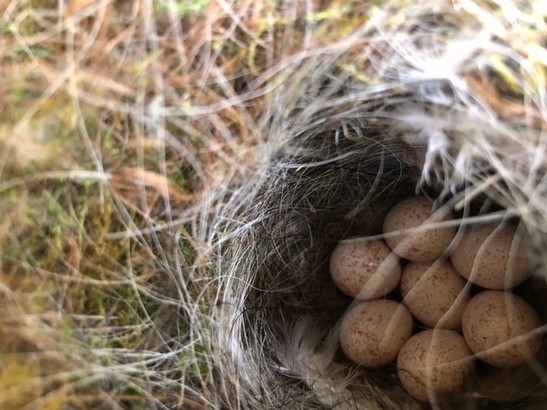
[(493, 256), (364, 269), (422, 245), (492, 323), (372, 332), (434, 293), (434, 363)]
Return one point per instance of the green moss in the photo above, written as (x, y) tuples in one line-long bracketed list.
[(182, 8), (38, 52)]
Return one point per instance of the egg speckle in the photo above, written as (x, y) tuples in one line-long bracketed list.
[(372, 332), (492, 323), (419, 246), (493, 256), (364, 269), (434, 293), (433, 363)]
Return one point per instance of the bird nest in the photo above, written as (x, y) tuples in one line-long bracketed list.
[(431, 115)]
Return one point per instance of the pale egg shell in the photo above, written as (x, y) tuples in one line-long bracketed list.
[(418, 246), (434, 363), (493, 256), (372, 332), (364, 269), (434, 293), (492, 323)]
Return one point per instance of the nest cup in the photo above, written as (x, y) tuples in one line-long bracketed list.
[(339, 155), (288, 318)]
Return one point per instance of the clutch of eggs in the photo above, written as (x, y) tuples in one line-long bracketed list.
[(498, 327)]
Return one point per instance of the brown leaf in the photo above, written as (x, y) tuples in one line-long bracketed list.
[(485, 89), (130, 179), (77, 6)]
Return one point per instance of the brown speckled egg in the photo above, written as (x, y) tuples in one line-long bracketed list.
[(434, 363), (431, 291), (372, 332), (492, 323), (493, 256), (418, 246), (364, 269)]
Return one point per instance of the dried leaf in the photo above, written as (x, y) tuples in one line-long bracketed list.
[(131, 179)]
